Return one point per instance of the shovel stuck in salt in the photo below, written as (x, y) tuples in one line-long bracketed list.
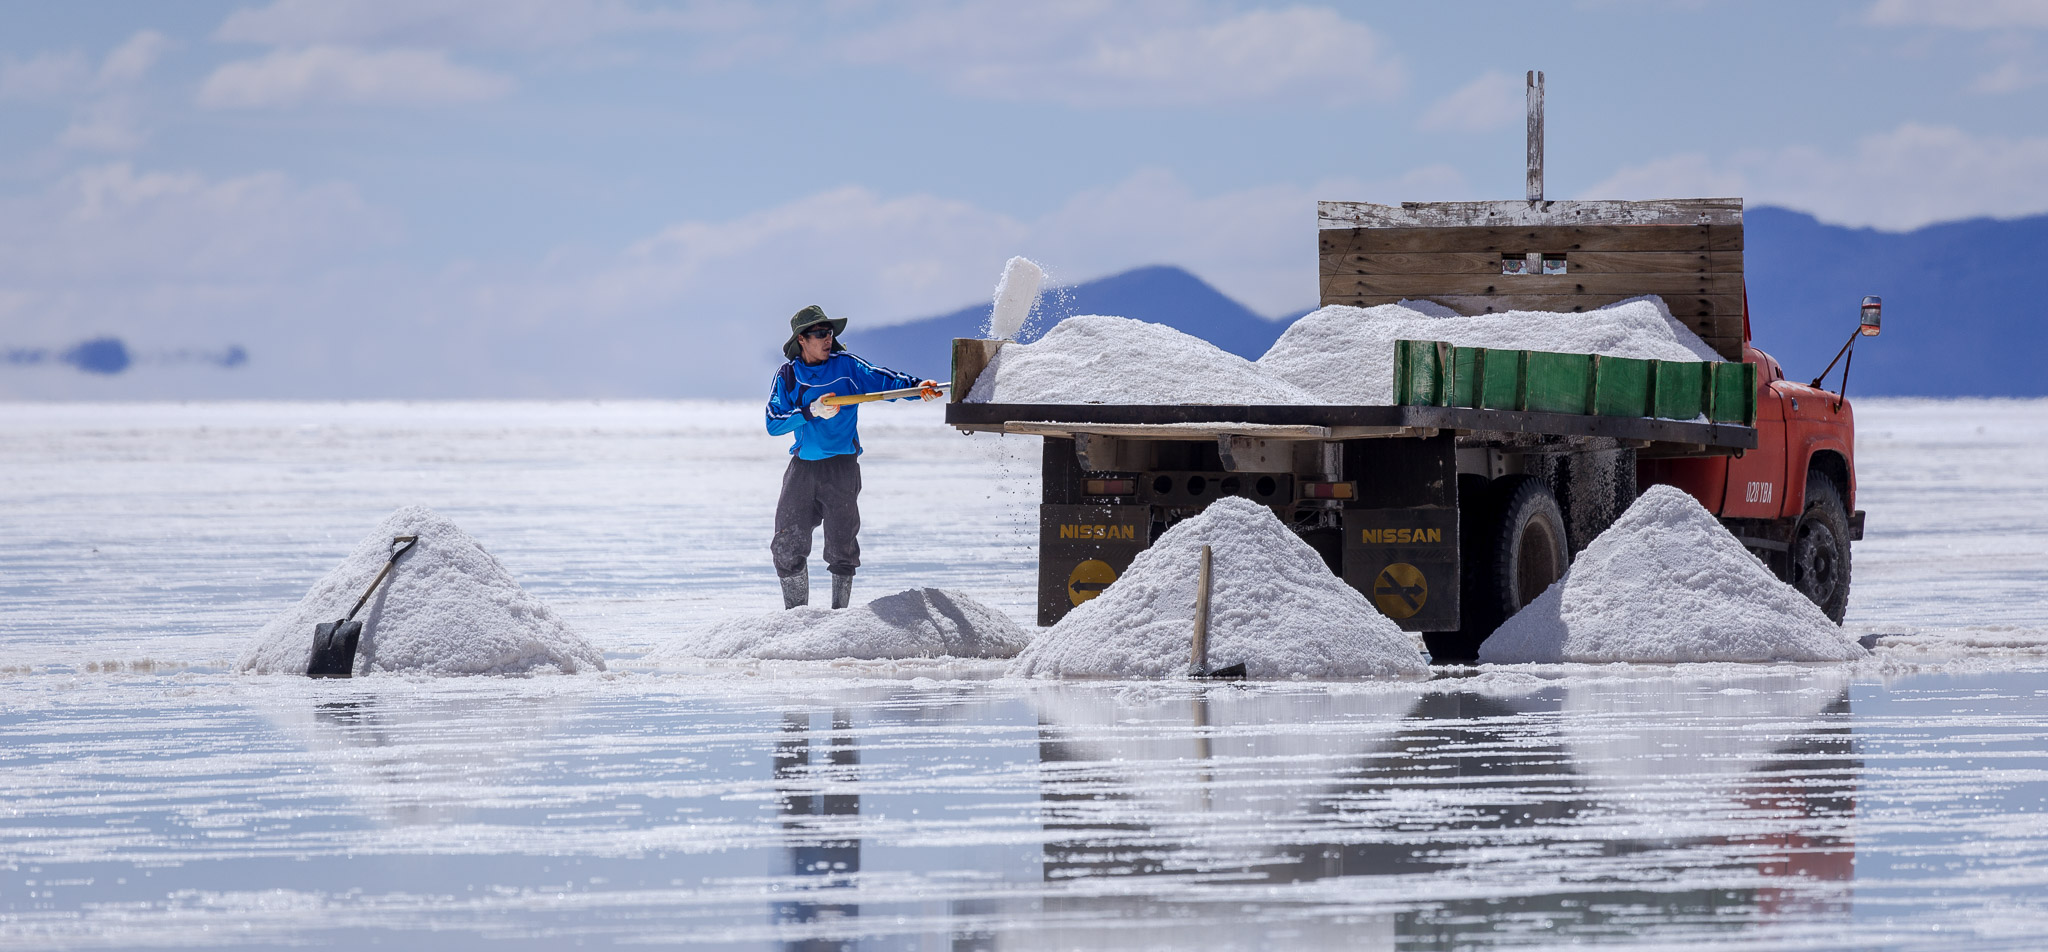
[(334, 642)]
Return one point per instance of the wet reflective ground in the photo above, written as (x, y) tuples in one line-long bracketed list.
[(150, 799), (1746, 809)]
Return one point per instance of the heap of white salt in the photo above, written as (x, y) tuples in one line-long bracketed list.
[(1273, 605), (919, 623), (447, 608), (1667, 583), (1016, 295), (1345, 355), (1095, 359)]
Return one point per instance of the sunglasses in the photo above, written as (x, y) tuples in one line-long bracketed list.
[(818, 331)]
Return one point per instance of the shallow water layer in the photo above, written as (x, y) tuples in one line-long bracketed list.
[(149, 798), (1742, 809)]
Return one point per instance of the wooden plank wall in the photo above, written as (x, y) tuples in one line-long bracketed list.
[(1695, 268)]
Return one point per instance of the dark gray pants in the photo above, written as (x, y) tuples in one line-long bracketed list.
[(814, 491)]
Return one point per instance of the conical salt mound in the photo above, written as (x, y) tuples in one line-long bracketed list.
[(446, 608), (919, 623), (1273, 605), (1667, 583)]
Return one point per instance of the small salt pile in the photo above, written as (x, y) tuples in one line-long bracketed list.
[(1345, 355), (1667, 583), (1096, 359), (1273, 605), (919, 623), (447, 608), (1016, 295)]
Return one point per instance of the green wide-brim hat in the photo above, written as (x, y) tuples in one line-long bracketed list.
[(811, 317)]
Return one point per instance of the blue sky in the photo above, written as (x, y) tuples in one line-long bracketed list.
[(619, 197)]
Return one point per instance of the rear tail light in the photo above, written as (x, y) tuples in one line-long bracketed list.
[(1327, 490), (1109, 487)]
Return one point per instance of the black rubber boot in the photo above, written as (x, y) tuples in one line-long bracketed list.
[(842, 591), (796, 590)]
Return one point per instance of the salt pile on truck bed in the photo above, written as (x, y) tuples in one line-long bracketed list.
[(1335, 355), (1273, 605), (1345, 355), (919, 623), (1097, 359), (1667, 583), (448, 608)]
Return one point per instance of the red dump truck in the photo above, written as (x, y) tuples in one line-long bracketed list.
[(1463, 501)]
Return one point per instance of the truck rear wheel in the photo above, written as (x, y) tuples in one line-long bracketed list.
[(1818, 562), (1514, 547), (1530, 552)]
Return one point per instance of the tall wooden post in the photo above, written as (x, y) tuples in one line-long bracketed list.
[(1535, 82)]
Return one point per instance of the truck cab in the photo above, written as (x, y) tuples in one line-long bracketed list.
[(1792, 499)]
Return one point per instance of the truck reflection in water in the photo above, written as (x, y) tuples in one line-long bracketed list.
[(815, 821), (1604, 807)]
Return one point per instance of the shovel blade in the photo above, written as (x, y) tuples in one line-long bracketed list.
[(1234, 672), (334, 649)]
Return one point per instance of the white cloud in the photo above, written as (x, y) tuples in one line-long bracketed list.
[(1098, 54), (1911, 176), (335, 74), (133, 59), (1961, 14), (2009, 77), (1492, 100), (45, 76), (459, 23)]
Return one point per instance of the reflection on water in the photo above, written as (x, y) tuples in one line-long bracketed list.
[(966, 815), (1588, 806), (822, 858)]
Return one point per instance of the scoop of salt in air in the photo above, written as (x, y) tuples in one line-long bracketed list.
[(1016, 295), (447, 608), (1273, 605), (1667, 583)]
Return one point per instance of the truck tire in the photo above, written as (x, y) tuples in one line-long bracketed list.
[(1818, 561), (1530, 549), (1513, 545)]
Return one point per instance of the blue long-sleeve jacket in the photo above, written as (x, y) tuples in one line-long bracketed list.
[(799, 383)]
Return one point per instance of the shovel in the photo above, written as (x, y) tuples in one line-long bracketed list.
[(835, 400), (334, 642)]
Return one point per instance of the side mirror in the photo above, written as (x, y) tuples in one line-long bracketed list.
[(1873, 315)]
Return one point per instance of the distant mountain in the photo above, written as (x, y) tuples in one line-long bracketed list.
[(1160, 294), (1959, 318)]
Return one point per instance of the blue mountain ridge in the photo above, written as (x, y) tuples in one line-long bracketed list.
[(1954, 321)]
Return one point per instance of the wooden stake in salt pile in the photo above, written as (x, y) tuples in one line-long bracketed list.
[(1198, 662)]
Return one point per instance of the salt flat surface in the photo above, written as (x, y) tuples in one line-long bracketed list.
[(154, 798)]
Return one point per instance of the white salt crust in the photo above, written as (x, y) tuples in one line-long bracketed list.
[(1096, 359), (1274, 605), (919, 623), (1345, 355), (1667, 583), (1016, 295), (447, 608)]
